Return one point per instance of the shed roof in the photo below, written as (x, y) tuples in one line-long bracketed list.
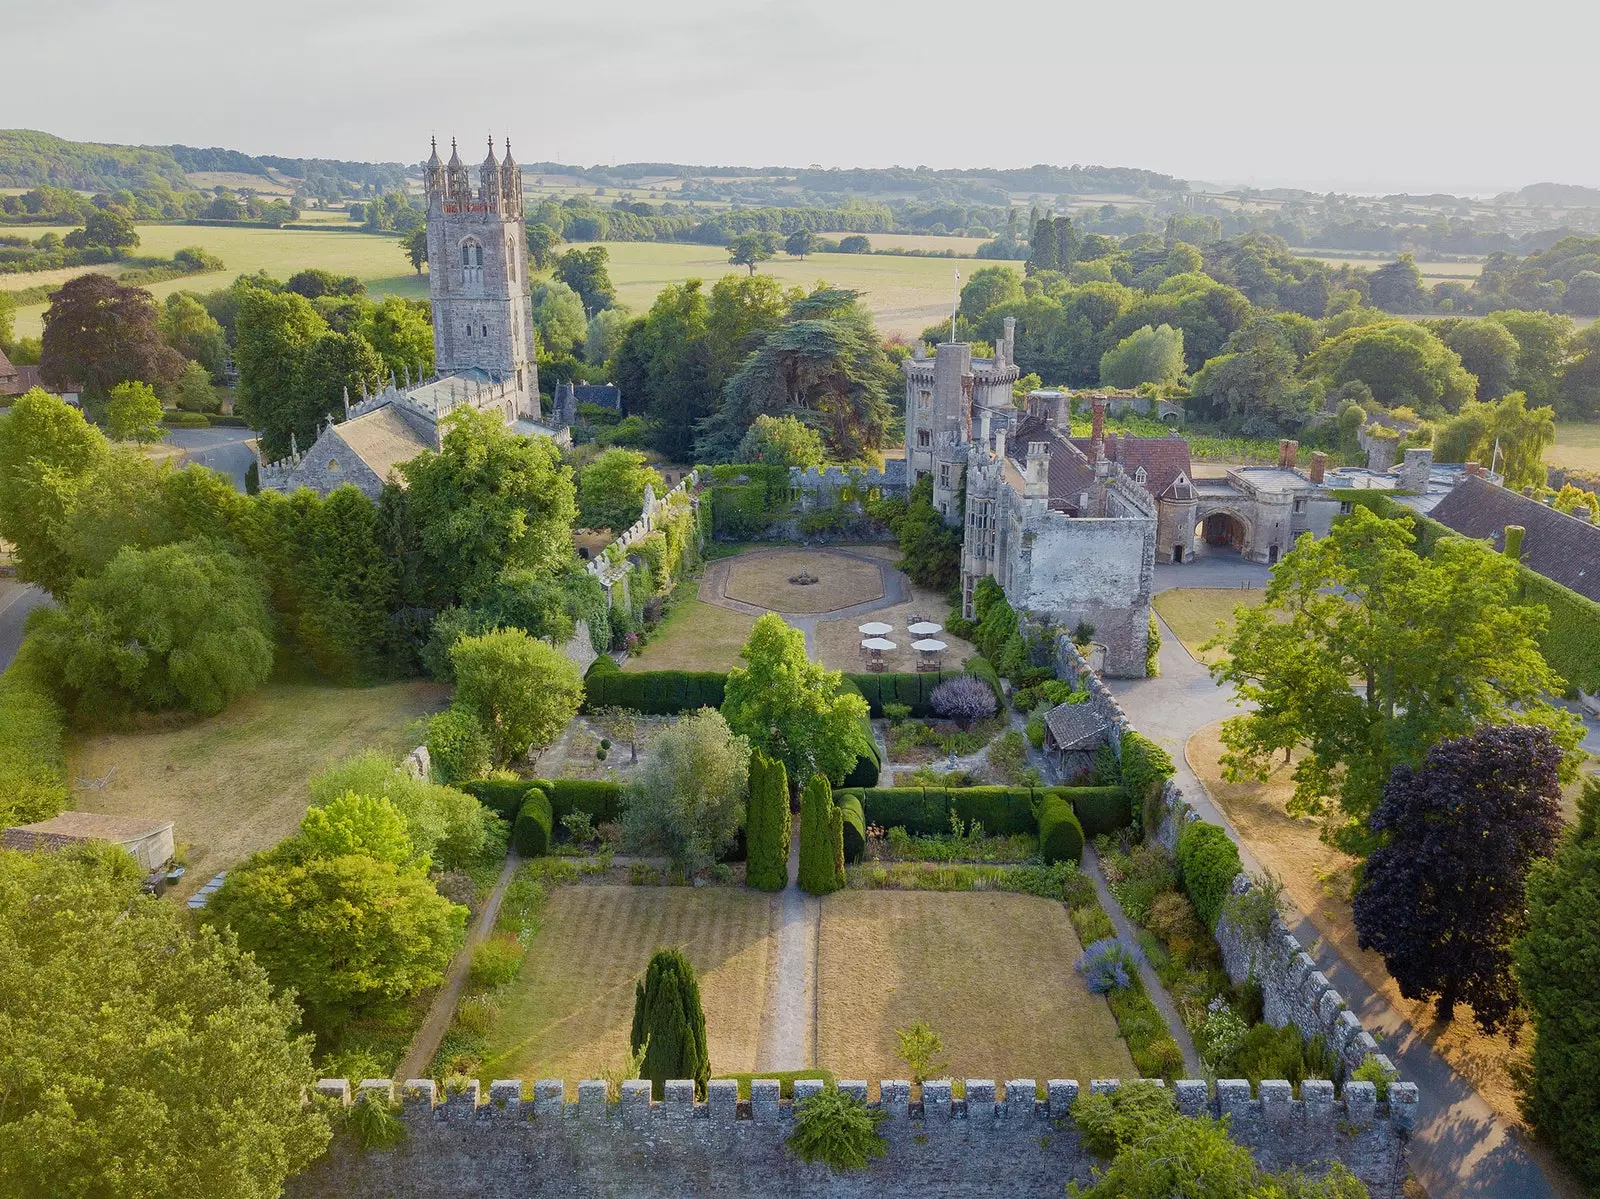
[(72, 828), (1074, 726)]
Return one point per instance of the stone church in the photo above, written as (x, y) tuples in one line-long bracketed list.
[(482, 339)]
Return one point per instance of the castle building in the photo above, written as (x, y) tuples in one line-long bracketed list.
[(482, 339)]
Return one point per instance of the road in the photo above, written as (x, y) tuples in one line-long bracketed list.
[(16, 601), (225, 451), (1460, 1148)]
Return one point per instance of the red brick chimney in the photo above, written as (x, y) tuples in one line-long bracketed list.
[(1293, 454), (1319, 466), (1475, 469), (1097, 432)]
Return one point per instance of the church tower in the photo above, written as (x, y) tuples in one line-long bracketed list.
[(478, 273)]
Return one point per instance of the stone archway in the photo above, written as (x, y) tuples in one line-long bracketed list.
[(1222, 530)]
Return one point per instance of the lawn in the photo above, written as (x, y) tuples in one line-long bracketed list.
[(839, 641), (992, 973), (761, 577), (695, 636), (1317, 879), (376, 260), (568, 1014), (1577, 446), (1192, 613), (236, 783)]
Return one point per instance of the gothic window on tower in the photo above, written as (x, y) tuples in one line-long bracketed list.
[(472, 261), (924, 438)]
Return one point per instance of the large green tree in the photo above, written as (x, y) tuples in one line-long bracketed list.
[(558, 317), (791, 708), (782, 441), (133, 413), (142, 1058), (1488, 351), (47, 453), (1365, 654), (821, 839), (1403, 364), (274, 330), (1252, 384), (588, 273), (687, 801), (183, 625), (332, 367), (522, 691), (98, 333), (751, 250), (1144, 356), (1543, 346), (611, 489), (1507, 433), (401, 332), (189, 329)]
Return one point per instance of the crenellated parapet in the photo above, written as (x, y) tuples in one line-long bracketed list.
[(978, 1138), (611, 562)]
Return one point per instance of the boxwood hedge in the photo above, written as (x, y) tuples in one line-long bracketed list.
[(1208, 862), (530, 835), (503, 797), (1060, 834), (653, 692), (1099, 809)]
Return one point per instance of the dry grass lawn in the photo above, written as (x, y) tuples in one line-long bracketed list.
[(991, 973), (1317, 878), (695, 636), (236, 783), (569, 1012), (1577, 446), (762, 578), (1192, 614)]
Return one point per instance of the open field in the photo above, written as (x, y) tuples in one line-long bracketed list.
[(1317, 879), (762, 577), (236, 783), (568, 1014), (695, 636), (376, 260), (906, 295), (1192, 614), (1436, 271), (1577, 446), (964, 247), (992, 973)]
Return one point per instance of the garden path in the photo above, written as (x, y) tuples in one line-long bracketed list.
[(1460, 1147), (418, 1061), (789, 1023)]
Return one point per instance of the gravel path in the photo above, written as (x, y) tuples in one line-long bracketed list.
[(789, 1024)]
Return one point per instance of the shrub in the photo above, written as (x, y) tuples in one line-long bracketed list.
[(33, 760), (1252, 911), (495, 963), (1373, 1071), (601, 799), (1219, 1037), (1146, 767), (837, 1129), (767, 825), (1106, 966), (530, 834), (965, 699), (1036, 732), (1152, 665), (374, 1123), (687, 799), (896, 712), (922, 1050), (855, 826), (1208, 862), (1108, 1123), (1140, 878), (1099, 809), (1060, 834), (457, 746), (669, 1025)]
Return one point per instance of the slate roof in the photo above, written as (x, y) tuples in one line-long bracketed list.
[(72, 828), (1070, 472), (9, 385), (1564, 549), (381, 439), (1074, 726)]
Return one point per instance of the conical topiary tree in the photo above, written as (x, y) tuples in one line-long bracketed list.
[(766, 825), (670, 1023), (821, 839)]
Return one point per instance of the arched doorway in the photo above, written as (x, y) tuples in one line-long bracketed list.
[(1221, 533)]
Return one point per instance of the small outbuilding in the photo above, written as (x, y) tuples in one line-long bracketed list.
[(149, 841), (1072, 732)]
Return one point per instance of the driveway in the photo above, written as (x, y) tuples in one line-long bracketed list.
[(226, 451), (1460, 1148), (16, 601)]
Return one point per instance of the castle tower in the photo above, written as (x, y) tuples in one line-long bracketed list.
[(478, 275)]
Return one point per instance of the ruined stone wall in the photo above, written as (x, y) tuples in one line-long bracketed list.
[(996, 1140), (1090, 569)]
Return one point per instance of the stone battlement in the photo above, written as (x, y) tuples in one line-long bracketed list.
[(609, 561), (995, 1135)]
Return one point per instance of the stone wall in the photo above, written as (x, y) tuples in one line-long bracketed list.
[(996, 1140), (1094, 569)]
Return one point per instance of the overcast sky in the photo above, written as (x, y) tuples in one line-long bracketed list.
[(1366, 95)]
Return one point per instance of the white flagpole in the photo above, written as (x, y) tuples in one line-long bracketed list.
[(955, 306)]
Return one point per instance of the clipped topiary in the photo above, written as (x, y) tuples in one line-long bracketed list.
[(1060, 834), (821, 840), (767, 825), (669, 1025), (530, 835)]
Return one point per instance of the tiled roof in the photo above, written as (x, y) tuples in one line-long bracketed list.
[(9, 383), (1074, 726), (1070, 472), (1564, 549), (381, 439), (1163, 459)]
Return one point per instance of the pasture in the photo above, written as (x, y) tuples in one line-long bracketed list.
[(1577, 446), (236, 782), (992, 973)]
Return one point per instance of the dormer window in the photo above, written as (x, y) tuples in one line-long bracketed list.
[(1139, 476)]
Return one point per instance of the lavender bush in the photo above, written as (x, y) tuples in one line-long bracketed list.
[(965, 699), (1106, 966)]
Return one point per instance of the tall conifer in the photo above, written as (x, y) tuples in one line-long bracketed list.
[(668, 1019)]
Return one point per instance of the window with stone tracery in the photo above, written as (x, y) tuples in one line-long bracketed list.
[(471, 254)]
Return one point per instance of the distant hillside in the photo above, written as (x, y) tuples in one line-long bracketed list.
[(1560, 195), (384, 176), (29, 158)]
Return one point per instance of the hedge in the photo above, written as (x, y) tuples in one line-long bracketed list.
[(600, 799), (503, 797), (766, 825), (915, 689), (653, 692), (1099, 809), (1060, 834), (1145, 769), (855, 826), (530, 835), (1003, 811), (33, 760), (1208, 862)]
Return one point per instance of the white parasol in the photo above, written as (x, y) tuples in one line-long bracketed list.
[(929, 646), (876, 629), (924, 628), (877, 644)]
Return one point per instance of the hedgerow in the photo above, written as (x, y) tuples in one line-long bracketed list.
[(1060, 834), (33, 759), (530, 835), (1208, 862)]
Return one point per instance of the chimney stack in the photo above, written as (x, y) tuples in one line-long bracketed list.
[(1010, 341), (1319, 466), (1036, 476), (1097, 432), (1475, 469), (1288, 453)]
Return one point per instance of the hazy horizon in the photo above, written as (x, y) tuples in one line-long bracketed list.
[(1237, 92)]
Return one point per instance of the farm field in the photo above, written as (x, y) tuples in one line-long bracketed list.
[(1317, 879), (569, 1012), (1192, 614), (1437, 271), (236, 783), (695, 636), (905, 295), (964, 247), (992, 973), (1577, 446), (376, 260)]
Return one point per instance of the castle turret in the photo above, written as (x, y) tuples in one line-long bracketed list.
[(433, 171), (489, 183), (458, 187)]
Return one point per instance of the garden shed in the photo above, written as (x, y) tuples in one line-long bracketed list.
[(1072, 732), (149, 841)]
